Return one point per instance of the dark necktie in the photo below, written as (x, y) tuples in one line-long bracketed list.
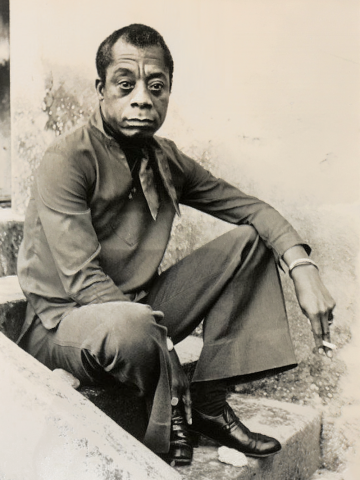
[(146, 174), (146, 177)]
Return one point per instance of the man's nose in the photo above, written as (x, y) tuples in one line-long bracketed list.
[(141, 96)]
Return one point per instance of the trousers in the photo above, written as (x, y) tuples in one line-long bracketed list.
[(232, 283)]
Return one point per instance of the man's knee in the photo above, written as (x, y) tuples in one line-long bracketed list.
[(243, 241), (245, 233), (129, 331), (240, 238)]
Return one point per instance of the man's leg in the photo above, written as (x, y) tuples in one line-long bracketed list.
[(232, 283), (116, 340)]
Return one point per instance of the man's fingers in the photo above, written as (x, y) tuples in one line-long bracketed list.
[(158, 315), (321, 332), (327, 348), (326, 337), (318, 327), (317, 332), (329, 352), (325, 326), (187, 406)]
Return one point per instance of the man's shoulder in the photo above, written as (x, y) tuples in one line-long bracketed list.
[(172, 152), (166, 144), (73, 141)]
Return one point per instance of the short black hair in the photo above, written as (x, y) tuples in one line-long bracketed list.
[(138, 35)]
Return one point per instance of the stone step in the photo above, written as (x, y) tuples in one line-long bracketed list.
[(296, 427), (50, 431)]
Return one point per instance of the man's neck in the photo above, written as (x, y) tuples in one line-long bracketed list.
[(126, 143), (132, 148)]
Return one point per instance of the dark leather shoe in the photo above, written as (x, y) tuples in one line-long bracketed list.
[(181, 449), (229, 431)]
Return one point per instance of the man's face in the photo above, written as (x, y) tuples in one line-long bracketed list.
[(135, 96)]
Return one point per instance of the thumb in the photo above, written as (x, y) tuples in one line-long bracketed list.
[(158, 315)]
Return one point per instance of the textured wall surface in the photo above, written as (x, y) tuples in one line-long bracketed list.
[(265, 95), (11, 233)]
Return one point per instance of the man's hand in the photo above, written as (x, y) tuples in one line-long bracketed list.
[(180, 387), (314, 299), (315, 302)]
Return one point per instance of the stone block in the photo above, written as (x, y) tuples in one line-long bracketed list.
[(296, 427), (50, 431)]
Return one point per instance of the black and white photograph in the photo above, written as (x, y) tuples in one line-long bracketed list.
[(179, 240)]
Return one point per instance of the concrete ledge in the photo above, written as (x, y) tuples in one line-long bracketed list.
[(296, 427), (50, 431)]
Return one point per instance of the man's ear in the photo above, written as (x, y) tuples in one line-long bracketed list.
[(99, 85)]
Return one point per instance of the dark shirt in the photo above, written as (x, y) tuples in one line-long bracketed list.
[(89, 239)]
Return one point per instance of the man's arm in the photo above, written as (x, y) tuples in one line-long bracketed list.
[(61, 195), (314, 299), (220, 199), (203, 191)]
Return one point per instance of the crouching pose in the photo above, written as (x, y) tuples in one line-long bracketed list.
[(96, 230)]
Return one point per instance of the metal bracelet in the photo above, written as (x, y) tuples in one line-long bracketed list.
[(301, 261)]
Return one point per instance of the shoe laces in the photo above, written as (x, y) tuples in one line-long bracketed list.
[(232, 420)]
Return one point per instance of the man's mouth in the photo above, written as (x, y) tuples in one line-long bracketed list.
[(139, 122)]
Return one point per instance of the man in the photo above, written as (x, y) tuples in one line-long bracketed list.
[(96, 229)]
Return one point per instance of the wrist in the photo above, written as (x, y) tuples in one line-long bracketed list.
[(297, 267), (293, 253)]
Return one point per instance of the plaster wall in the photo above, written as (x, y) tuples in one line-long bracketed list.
[(265, 95)]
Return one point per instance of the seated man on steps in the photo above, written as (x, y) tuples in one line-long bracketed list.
[(96, 229)]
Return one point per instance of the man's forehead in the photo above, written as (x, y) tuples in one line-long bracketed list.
[(124, 52)]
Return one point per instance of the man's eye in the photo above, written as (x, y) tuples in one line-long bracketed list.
[(126, 85), (156, 87)]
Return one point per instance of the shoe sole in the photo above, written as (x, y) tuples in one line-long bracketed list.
[(253, 455), (175, 462)]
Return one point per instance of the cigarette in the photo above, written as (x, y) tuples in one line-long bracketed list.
[(329, 345)]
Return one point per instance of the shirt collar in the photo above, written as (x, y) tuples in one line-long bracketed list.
[(161, 157)]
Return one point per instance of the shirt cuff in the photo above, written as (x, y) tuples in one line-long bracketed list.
[(286, 242)]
